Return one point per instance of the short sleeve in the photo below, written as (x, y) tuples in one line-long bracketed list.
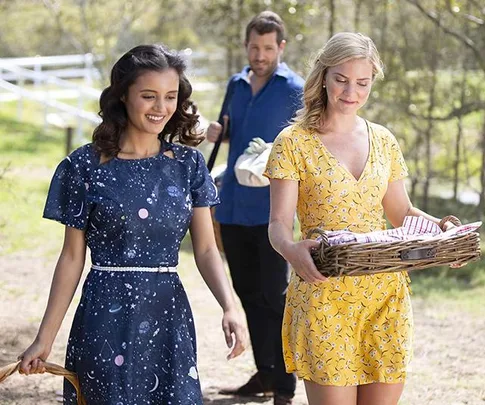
[(283, 161), (203, 190), (399, 169), (67, 197)]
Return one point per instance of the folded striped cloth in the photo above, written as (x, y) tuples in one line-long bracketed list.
[(413, 228)]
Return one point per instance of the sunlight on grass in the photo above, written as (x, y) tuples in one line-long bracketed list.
[(25, 145), (21, 204), (464, 293)]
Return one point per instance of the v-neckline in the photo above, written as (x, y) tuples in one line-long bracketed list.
[(340, 164)]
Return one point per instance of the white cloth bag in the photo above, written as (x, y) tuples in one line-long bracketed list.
[(251, 165)]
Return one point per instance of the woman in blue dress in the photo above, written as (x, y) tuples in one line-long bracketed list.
[(131, 196)]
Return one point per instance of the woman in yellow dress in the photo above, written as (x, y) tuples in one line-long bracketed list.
[(349, 338)]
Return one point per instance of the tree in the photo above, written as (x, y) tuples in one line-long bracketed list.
[(468, 28)]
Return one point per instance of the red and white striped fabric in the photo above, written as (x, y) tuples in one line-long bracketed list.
[(417, 228)]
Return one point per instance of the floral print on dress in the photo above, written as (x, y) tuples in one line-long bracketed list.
[(348, 330)]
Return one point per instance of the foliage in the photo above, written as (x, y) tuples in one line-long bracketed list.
[(433, 96)]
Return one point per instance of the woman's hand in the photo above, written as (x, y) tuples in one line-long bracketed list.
[(299, 257), (235, 332), (447, 223), (32, 359)]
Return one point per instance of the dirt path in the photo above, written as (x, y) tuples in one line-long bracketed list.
[(449, 364)]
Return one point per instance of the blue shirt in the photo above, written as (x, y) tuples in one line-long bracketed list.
[(263, 115)]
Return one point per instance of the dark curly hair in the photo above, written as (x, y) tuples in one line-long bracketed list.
[(182, 127)]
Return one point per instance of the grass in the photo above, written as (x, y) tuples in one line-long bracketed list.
[(21, 225), (26, 145), (466, 294)]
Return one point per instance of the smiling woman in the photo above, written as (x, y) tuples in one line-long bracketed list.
[(131, 196)]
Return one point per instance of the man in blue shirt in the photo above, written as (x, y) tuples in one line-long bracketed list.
[(260, 101)]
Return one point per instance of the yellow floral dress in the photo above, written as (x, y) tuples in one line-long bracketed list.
[(348, 330)]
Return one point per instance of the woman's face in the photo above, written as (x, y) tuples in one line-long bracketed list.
[(151, 101), (348, 86)]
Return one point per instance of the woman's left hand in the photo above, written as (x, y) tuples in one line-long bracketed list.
[(446, 227), (235, 332)]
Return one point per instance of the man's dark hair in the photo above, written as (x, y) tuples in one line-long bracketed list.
[(265, 23)]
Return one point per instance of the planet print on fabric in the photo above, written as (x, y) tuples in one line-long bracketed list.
[(144, 327), (119, 360), (143, 213), (115, 308), (135, 214), (173, 191)]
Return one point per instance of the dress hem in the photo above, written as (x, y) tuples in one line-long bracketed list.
[(379, 379)]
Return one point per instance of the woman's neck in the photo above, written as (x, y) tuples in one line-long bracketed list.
[(338, 123), (136, 146)]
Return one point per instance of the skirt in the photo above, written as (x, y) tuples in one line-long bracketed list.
[(133, 341), (349, 330)]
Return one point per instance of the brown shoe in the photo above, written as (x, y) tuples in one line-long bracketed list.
[(280, 399), (258, 385)]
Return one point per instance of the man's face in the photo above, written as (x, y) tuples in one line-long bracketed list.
[(263, 53)]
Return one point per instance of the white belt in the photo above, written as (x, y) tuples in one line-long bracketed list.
[(159, 269)]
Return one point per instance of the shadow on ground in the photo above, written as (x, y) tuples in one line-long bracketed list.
[(235, 400)]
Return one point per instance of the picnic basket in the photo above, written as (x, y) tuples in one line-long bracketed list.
[(51, 368), (357, 259)]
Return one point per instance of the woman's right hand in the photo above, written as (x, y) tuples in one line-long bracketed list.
[(299, 257), (32, 359)]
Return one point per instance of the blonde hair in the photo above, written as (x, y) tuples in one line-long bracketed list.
[(339, 49)]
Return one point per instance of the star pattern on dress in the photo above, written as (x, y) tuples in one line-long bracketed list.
[(128, 324)]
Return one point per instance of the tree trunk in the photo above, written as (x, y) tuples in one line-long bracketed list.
[(481, 203), (238, 40), (429, 121), (357, 11), (459, 136), (383, 36), (331, 25)]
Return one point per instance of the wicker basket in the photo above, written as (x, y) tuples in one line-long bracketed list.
[(51, 368), (357, 259)]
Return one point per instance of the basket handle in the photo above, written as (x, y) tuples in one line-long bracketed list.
[(317, 253), (451, 218), (322, 234), (51, 368)]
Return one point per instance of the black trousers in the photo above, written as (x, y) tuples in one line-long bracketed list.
[(260, 278)]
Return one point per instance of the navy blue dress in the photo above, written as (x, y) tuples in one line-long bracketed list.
[(132, 340)]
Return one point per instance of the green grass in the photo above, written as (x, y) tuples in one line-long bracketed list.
[(28, 156), (26, 145), (464, 296), (21, 204)]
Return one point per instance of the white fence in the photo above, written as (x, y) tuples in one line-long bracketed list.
[(47, 85), (48, 74)]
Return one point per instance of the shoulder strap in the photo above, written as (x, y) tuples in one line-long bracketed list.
[(217, 144)]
